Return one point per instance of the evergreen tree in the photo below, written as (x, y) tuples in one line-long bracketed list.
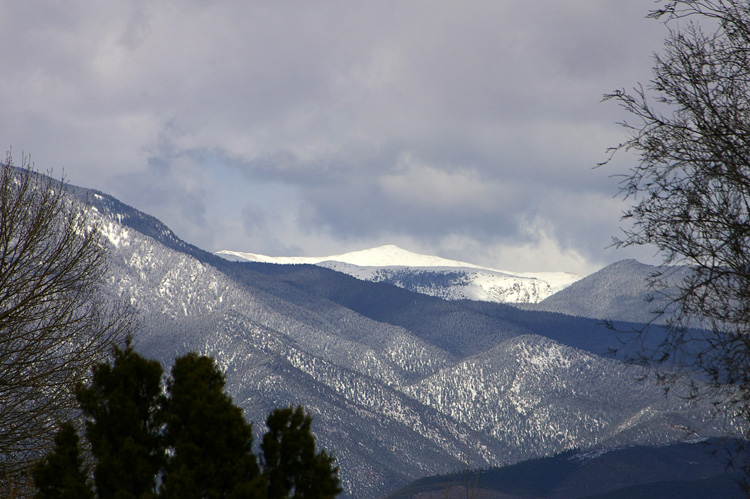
[(194, 442), (124, 424), (292, 467), (211, 441), (62, 474)]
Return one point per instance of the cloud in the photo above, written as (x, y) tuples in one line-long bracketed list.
[(344, 124), (538, 249), (429, 187)]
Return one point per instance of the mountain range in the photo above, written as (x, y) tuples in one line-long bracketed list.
[(688, 470), (432, 275), (401, 385)]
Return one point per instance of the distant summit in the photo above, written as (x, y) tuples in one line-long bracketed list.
[(388, 255), (400, 385), (431, 275)]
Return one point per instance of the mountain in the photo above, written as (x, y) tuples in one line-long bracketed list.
[(401, 385), (431, 275), (619, 291), (684, 471)]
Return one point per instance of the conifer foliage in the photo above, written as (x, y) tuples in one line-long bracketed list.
[(292, 467), (190, 442), (123, 425), (62, 474), (212, 442)]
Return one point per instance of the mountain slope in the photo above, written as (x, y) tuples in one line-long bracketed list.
[(685, 471), (401, 385), (431, 275), (619, 291)]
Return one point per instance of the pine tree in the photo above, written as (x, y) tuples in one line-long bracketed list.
[(210, 439), (122, 406), (292, 467), (62, 474), (194, 441)]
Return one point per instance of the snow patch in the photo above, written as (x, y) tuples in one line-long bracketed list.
[(388, 263), (115, 233)]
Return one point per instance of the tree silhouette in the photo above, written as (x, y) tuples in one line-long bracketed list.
[(211, 442), (291, 465), (193, 441), (690, 189), (62, 474), (124, 422)]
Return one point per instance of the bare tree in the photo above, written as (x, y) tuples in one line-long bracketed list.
[(690, 191), (54, 324)]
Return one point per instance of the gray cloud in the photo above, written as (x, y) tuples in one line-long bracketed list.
[(467, 128)]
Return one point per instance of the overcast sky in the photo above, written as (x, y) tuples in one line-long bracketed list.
[(466, 129)]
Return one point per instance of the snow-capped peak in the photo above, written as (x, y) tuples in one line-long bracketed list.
[(389, 263), (383, 256)]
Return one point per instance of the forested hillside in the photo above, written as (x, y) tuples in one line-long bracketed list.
[(400, 384)]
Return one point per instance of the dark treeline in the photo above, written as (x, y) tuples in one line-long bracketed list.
[(189, 441)]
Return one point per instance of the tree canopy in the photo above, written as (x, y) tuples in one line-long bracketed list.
[(291, 466), (122, 407), (63, 474), (211, 441), (190, 442)]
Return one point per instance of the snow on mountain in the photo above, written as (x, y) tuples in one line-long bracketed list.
[(382, 256), (400, 385), (432, 275), (619, 291)]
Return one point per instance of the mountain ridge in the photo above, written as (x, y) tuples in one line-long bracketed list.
[(431, 275), (401, 385), (685, 471)]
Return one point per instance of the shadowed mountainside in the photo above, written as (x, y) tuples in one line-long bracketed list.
[(401, 385)]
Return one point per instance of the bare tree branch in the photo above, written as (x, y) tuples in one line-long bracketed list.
[(54, 323), (690, 193)]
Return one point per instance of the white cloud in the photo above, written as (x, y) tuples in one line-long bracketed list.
[(423, 186), (368, 119)]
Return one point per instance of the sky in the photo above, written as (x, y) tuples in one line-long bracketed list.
[(466, 129)]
